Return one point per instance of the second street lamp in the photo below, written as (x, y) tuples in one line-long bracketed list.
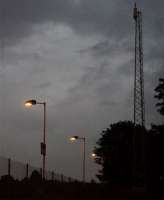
[(73, 138), (30, 103)]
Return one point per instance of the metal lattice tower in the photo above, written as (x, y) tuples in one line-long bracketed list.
[(139, 105)]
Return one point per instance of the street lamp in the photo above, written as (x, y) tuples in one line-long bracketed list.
[(30, 103), (74, 138)]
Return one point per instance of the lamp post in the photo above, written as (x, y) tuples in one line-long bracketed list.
[(74, 138), (30, 103)]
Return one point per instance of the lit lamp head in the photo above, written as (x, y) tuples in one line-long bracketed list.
[(73, 138), (93, 155), (30, 103)]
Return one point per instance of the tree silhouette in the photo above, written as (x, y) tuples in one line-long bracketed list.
[(160, 96), (154, 147), (114, 152), (160, 128)]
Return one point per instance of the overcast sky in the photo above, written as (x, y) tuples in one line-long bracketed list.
[(78, 56)]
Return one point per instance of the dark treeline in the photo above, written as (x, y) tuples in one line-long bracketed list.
[(131, 155)]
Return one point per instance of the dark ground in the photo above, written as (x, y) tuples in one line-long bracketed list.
[(73, 191)]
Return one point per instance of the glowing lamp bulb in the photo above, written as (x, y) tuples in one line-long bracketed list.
[(72, 138), (93, 155), (28, 104)]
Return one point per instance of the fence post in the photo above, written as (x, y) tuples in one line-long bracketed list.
[(27, 169), (9, 166), (52, 176)]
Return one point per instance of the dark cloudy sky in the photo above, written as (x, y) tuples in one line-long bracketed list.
[(77, 55)]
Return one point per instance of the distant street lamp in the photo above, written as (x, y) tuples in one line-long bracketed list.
[(30, 103), (74, 138), (93, 155)]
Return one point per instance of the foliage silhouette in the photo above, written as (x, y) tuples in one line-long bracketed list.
[(160, 96), (160, 128), (36, 177), (7, 178), (114, 152)]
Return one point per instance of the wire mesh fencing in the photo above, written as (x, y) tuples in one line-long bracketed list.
[(19, 171)]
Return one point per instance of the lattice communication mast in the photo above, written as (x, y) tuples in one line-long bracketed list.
[(139, 105)]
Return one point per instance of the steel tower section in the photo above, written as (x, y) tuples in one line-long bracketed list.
[(139, 105)]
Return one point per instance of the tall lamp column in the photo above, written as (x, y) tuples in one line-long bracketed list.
[(30, 103), (73, 138)]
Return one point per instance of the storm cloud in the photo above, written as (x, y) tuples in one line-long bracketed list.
[(112, 18)]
